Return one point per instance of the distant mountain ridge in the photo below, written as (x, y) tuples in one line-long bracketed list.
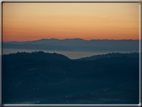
[(76, 45), (79, 39)]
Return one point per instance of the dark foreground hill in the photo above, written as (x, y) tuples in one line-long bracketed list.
[(47, 78)]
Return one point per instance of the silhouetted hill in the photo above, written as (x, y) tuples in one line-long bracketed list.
[(52, 78), (112, 55), (40, 55), (76, 44)]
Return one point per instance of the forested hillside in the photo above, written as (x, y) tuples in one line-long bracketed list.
[(53, 78)]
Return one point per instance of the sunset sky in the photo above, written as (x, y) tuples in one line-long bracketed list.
[(33, 21)]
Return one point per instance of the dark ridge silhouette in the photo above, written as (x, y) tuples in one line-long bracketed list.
[(76, 44), (109, 55), (39, 55), (51, 78)]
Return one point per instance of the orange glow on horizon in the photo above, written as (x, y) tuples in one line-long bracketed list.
[(34, 21)]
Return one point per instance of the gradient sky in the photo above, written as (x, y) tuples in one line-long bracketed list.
[(33, 21)]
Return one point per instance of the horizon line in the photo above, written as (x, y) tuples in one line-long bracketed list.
[(70, 39)]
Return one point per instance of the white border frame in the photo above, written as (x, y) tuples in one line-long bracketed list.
[(80, 1)]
